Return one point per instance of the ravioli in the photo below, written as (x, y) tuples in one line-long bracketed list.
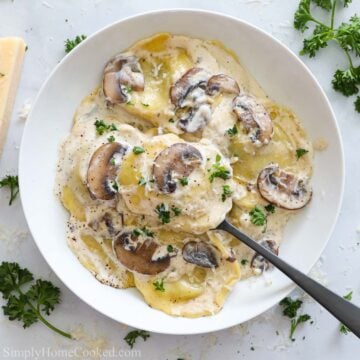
[(176, 138)]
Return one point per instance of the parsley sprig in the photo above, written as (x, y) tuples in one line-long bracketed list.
[(28, 305), (219, 171), (101, 127), (258, 217), (347, 36), (343, 328), (70, 44), (159, 285), (131, 337), (290, 310), (11, 182)]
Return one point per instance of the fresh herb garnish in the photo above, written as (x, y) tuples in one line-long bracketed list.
[(290, 310), (143, 231), (127, 88), (112, 161), (170, 248), (11, 182), (101, 127), (142, 181), (227, 192), (176, 210), (270, 208), (347, 36), (300, 152), (257, 216), (70, 44), (138, 150), (343, 328), (232, 131), (130, 103), (357, 104), (163, 213), (131, 337), (219, 170), (115, 186), (145, 105), (28, 305), (111, 138), (184, 181), (159, 285), (244, 262)]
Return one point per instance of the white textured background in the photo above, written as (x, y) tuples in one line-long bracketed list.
[(44, 27)]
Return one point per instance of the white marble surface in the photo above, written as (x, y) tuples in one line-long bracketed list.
[(44, 27)]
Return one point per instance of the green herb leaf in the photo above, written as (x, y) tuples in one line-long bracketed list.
[(170, 248), (319, 40), (325, 4), (219, 170), (290, 306), (101, 127), (131, 337), (176, 210), (270, 208), (347, 3), (111, 138), (27, 307), (184, 181), (295, 322), (138, 150), (12, 182), (348, 35), (301, 152), (232, 131), (159, 285), (357, 104), (227, 192), (302, 15), (163, 213), (257, 216), (346, 81), (145, 105), (343, 328), (70, 44), (142, 181), (244, 262), (127, 89)]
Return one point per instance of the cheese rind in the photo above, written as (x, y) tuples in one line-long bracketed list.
[(12, 50)]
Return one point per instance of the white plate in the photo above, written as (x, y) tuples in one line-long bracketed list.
[(285, 79)]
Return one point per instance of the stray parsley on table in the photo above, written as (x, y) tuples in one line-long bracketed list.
[(12, 182)]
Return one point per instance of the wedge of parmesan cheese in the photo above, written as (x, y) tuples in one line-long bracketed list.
[(12, 50)]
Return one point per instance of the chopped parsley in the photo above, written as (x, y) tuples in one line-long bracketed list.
[(232, 131), (176, 210), (257, 216), (270, 208), (138, 150), (170, 248), (143, 232), (244, 262), (159, 285), (70, 44), (347, 36), (142, 181), (115, 186), (131, 337), (101, 127), (28, 300), (163, 213), (357, 104), (184, 181), (130, 103), (290, 310), (227, 192), (12, 182), (145, 105), (301, 152), (127, 88), (219, 171), (111, 138), (112, 161), (343, 328)]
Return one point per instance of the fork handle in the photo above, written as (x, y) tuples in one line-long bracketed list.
[(343, 310)]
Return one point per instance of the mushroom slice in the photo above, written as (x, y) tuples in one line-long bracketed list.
[(102, 170), (258, 262), (137, 254), (110, 224), (200, 253), (222, 83), (282, 188), (255, 118), (120, 74), (193, 105), (177, 161)]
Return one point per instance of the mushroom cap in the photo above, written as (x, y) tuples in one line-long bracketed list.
[(137, 254), (282, 188), (255, 118), (177, 161), (222, 83), (200, 253), (192, 79), (120, 72), (259, 262), (101, 172)]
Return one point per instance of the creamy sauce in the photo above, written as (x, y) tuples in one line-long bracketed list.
[(149, 120)]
